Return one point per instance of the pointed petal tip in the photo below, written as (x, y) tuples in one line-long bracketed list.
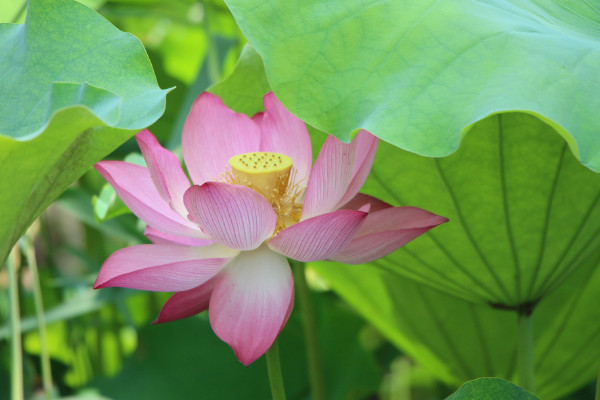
[(143, 134), (99, 283), (366, 208), (245, 360), (434, 220), (99, 166), (145, 138)]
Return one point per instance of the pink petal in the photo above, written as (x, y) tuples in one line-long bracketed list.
[(338, 173), (366, 147), (134, 186), (234, 216), (165, 169), (212, 134), (188, 303), (163, 267), (159, 237), (284, 133), (361, 199), (386, 230), (319, 237), (251, 303)]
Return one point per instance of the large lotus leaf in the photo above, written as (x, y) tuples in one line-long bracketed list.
[(523, 212), (459, 341), (74, 87), (491, 389), (418, 74)]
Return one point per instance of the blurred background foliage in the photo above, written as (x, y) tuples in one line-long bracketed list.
[(103, 346)]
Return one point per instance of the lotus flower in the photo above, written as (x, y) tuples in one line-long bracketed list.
[(222, 243)]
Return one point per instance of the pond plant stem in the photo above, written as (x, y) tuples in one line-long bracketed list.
[(29, 251), (598, 386), (274, 371), (16, 370), (525, 366), (311, 338)]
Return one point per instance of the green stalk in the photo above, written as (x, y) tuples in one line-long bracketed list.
[(29, 252), (315, 370), (274, 370), (598, 386), (16, 371), (525, 369)]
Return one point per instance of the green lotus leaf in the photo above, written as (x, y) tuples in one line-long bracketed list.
[(524, 214), (419, 74), (74, 88)]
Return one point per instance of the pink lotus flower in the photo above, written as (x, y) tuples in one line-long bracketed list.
[(222, 244)]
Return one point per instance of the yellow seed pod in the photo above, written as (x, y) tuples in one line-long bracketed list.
[(266, 173)]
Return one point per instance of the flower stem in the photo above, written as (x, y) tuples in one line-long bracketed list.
[(274, 370), (16, 371), (525, 368), (315, 370), (29, 252), (598, 386)]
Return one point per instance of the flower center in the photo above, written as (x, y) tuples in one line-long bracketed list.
[(269, 174), (266, 173)]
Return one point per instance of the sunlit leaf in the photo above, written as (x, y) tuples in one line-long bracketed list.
[(74, 88), (419, 74), (491, 389)]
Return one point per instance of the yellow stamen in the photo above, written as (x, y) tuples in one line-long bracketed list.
[(270, 175)]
